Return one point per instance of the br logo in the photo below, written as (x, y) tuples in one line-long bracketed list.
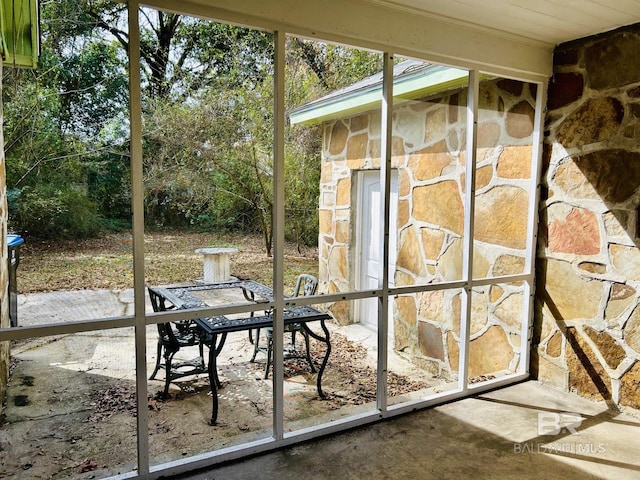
[(551, 423)]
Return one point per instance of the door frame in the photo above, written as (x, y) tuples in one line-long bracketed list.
[(359, 244)]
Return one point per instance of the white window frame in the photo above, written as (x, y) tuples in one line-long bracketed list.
[(140, 320)]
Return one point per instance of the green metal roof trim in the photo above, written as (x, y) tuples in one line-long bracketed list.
[(19, 33), (412, 80)]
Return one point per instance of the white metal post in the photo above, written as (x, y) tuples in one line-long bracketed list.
[(528, 295), (137, 193), (383, 265), (469, 213), (278, 234)]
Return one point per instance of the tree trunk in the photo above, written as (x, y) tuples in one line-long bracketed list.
[(267, 231)]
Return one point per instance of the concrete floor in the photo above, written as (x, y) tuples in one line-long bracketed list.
[(505, 434)]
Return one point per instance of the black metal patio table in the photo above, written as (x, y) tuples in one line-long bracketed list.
[(206, 295)]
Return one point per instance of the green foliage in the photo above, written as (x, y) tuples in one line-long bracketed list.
[(59, 123), (208, 124), (348, 65), (109, 187), (31, 131), (208, 162), (335, 66), (63, 21), (302, 179), (94, 83), (48, 211), (240, 56)]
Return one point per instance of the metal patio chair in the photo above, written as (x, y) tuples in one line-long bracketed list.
[(173, 336), (305, 285)]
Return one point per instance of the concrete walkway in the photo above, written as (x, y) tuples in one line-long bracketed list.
[(55, 307)]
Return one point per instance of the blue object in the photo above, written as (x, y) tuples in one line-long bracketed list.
[(14, 240), (13, 260)]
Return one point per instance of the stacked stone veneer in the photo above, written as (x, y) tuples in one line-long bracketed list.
[(4, 274), (588, 322), (428, 153)]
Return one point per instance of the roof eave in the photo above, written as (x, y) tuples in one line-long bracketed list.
[(427, 82)]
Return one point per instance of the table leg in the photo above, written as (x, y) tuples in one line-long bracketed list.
[(327, 341), (214, 381)]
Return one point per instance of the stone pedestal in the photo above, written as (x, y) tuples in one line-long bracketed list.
[(216, 264)]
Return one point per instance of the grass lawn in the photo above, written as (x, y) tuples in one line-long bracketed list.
[(107, 262)]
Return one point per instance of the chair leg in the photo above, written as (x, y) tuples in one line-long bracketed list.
[(251, 336), (167, 378), (269, 354), (256, 345), (158, 357)]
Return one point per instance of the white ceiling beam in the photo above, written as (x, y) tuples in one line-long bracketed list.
[(377, 27), (551, 21)]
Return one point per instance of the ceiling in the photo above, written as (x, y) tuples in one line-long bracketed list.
[(547, 21), (514, 38)]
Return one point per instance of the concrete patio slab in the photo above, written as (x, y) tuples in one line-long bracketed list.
[(506, 434), (493, 436)]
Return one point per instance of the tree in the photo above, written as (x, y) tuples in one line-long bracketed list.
[(313, 70), (210, 152), (335, 66), (183, 55), (211, 157), (57, 125), (208, 117)]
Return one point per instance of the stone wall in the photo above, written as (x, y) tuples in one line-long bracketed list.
[(4, 274), (428, 154), (588, 321)]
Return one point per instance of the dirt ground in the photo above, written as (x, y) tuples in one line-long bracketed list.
[(170, 257), (71, 409)]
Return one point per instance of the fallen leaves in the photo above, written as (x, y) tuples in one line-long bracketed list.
[(107, 262), (88, 466), (481, 378), (116, 399), (347, 379)]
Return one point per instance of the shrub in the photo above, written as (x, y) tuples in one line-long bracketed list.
[(48, 211)]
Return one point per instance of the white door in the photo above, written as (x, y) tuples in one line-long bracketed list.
[(370, 206)]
